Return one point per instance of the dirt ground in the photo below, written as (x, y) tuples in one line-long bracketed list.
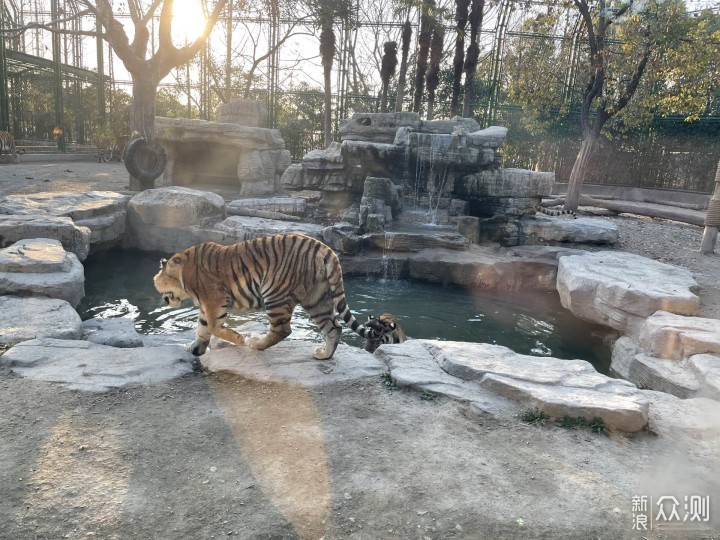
[(210, 457)]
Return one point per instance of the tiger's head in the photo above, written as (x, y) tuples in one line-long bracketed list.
[(168, 281), (381, 328), (382, 325)]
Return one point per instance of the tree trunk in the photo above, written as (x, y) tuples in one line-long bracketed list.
[(142, 114), (142, 117), (461, 18), (664, 211), (387, 70), (473, 54), (406, 36), (579, 171), (424, 39), (433, 74), (710, 233), (327, 53)]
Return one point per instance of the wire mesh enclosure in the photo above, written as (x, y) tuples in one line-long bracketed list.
[(67, 91)]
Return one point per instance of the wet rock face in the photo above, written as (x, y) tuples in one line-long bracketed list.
[(433, 161)]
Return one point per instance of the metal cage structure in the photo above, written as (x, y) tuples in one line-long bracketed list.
[(60, 92)]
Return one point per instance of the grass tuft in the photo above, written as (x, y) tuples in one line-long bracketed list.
[(534, 416)]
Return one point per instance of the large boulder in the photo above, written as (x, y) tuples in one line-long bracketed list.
[(170, 219), (25, 318), (580, 231), (673, 336), (621, 290), (632, 363), (283, 205), (116, 332), (252, 157), (377, 127), (484, 267), (674, 354), (103, 212), (41, 267), (74, 238), (241, 228), (293, 361), (244, 112), (505, 183), (82, 365), (474, 372)]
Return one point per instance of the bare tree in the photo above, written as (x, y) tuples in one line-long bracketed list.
[(147, 67)]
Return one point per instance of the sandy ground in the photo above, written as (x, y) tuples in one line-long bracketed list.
[(208, 457)]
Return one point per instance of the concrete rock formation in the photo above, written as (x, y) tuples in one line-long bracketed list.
[(253, 158), (447, 168), (25, 318), (621, 290), (102, 212), (41, 267)]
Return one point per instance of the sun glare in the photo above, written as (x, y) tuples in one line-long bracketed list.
[(188, 21)]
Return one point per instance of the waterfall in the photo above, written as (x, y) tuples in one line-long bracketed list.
[(387, 248), (439, 146)]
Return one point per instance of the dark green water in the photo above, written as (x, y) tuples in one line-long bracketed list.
[(119, 284)]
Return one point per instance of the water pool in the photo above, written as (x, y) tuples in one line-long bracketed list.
[(118, 283)]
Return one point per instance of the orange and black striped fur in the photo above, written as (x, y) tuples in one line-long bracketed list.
[(275, 272), (385, 329)]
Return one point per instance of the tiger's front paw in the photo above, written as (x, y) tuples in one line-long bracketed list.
[(198, 347)]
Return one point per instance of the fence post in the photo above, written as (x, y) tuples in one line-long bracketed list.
[(712, 218)]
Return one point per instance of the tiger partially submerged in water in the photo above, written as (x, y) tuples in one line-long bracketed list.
[(277, 273), (385, 329)]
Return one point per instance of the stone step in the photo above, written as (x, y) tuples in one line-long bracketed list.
[(41, 267)]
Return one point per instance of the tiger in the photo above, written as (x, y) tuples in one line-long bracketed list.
[(386, 330), (548, 212), (7, 145), (275, 272)]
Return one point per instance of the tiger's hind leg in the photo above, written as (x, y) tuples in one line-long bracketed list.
[(323, 314), (280, 328)]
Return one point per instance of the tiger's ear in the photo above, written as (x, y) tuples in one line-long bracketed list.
[(163, 263), (371, 317), (393, 325)]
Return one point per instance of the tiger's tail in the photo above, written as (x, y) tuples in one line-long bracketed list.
[(337, 291), (549, 212)]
